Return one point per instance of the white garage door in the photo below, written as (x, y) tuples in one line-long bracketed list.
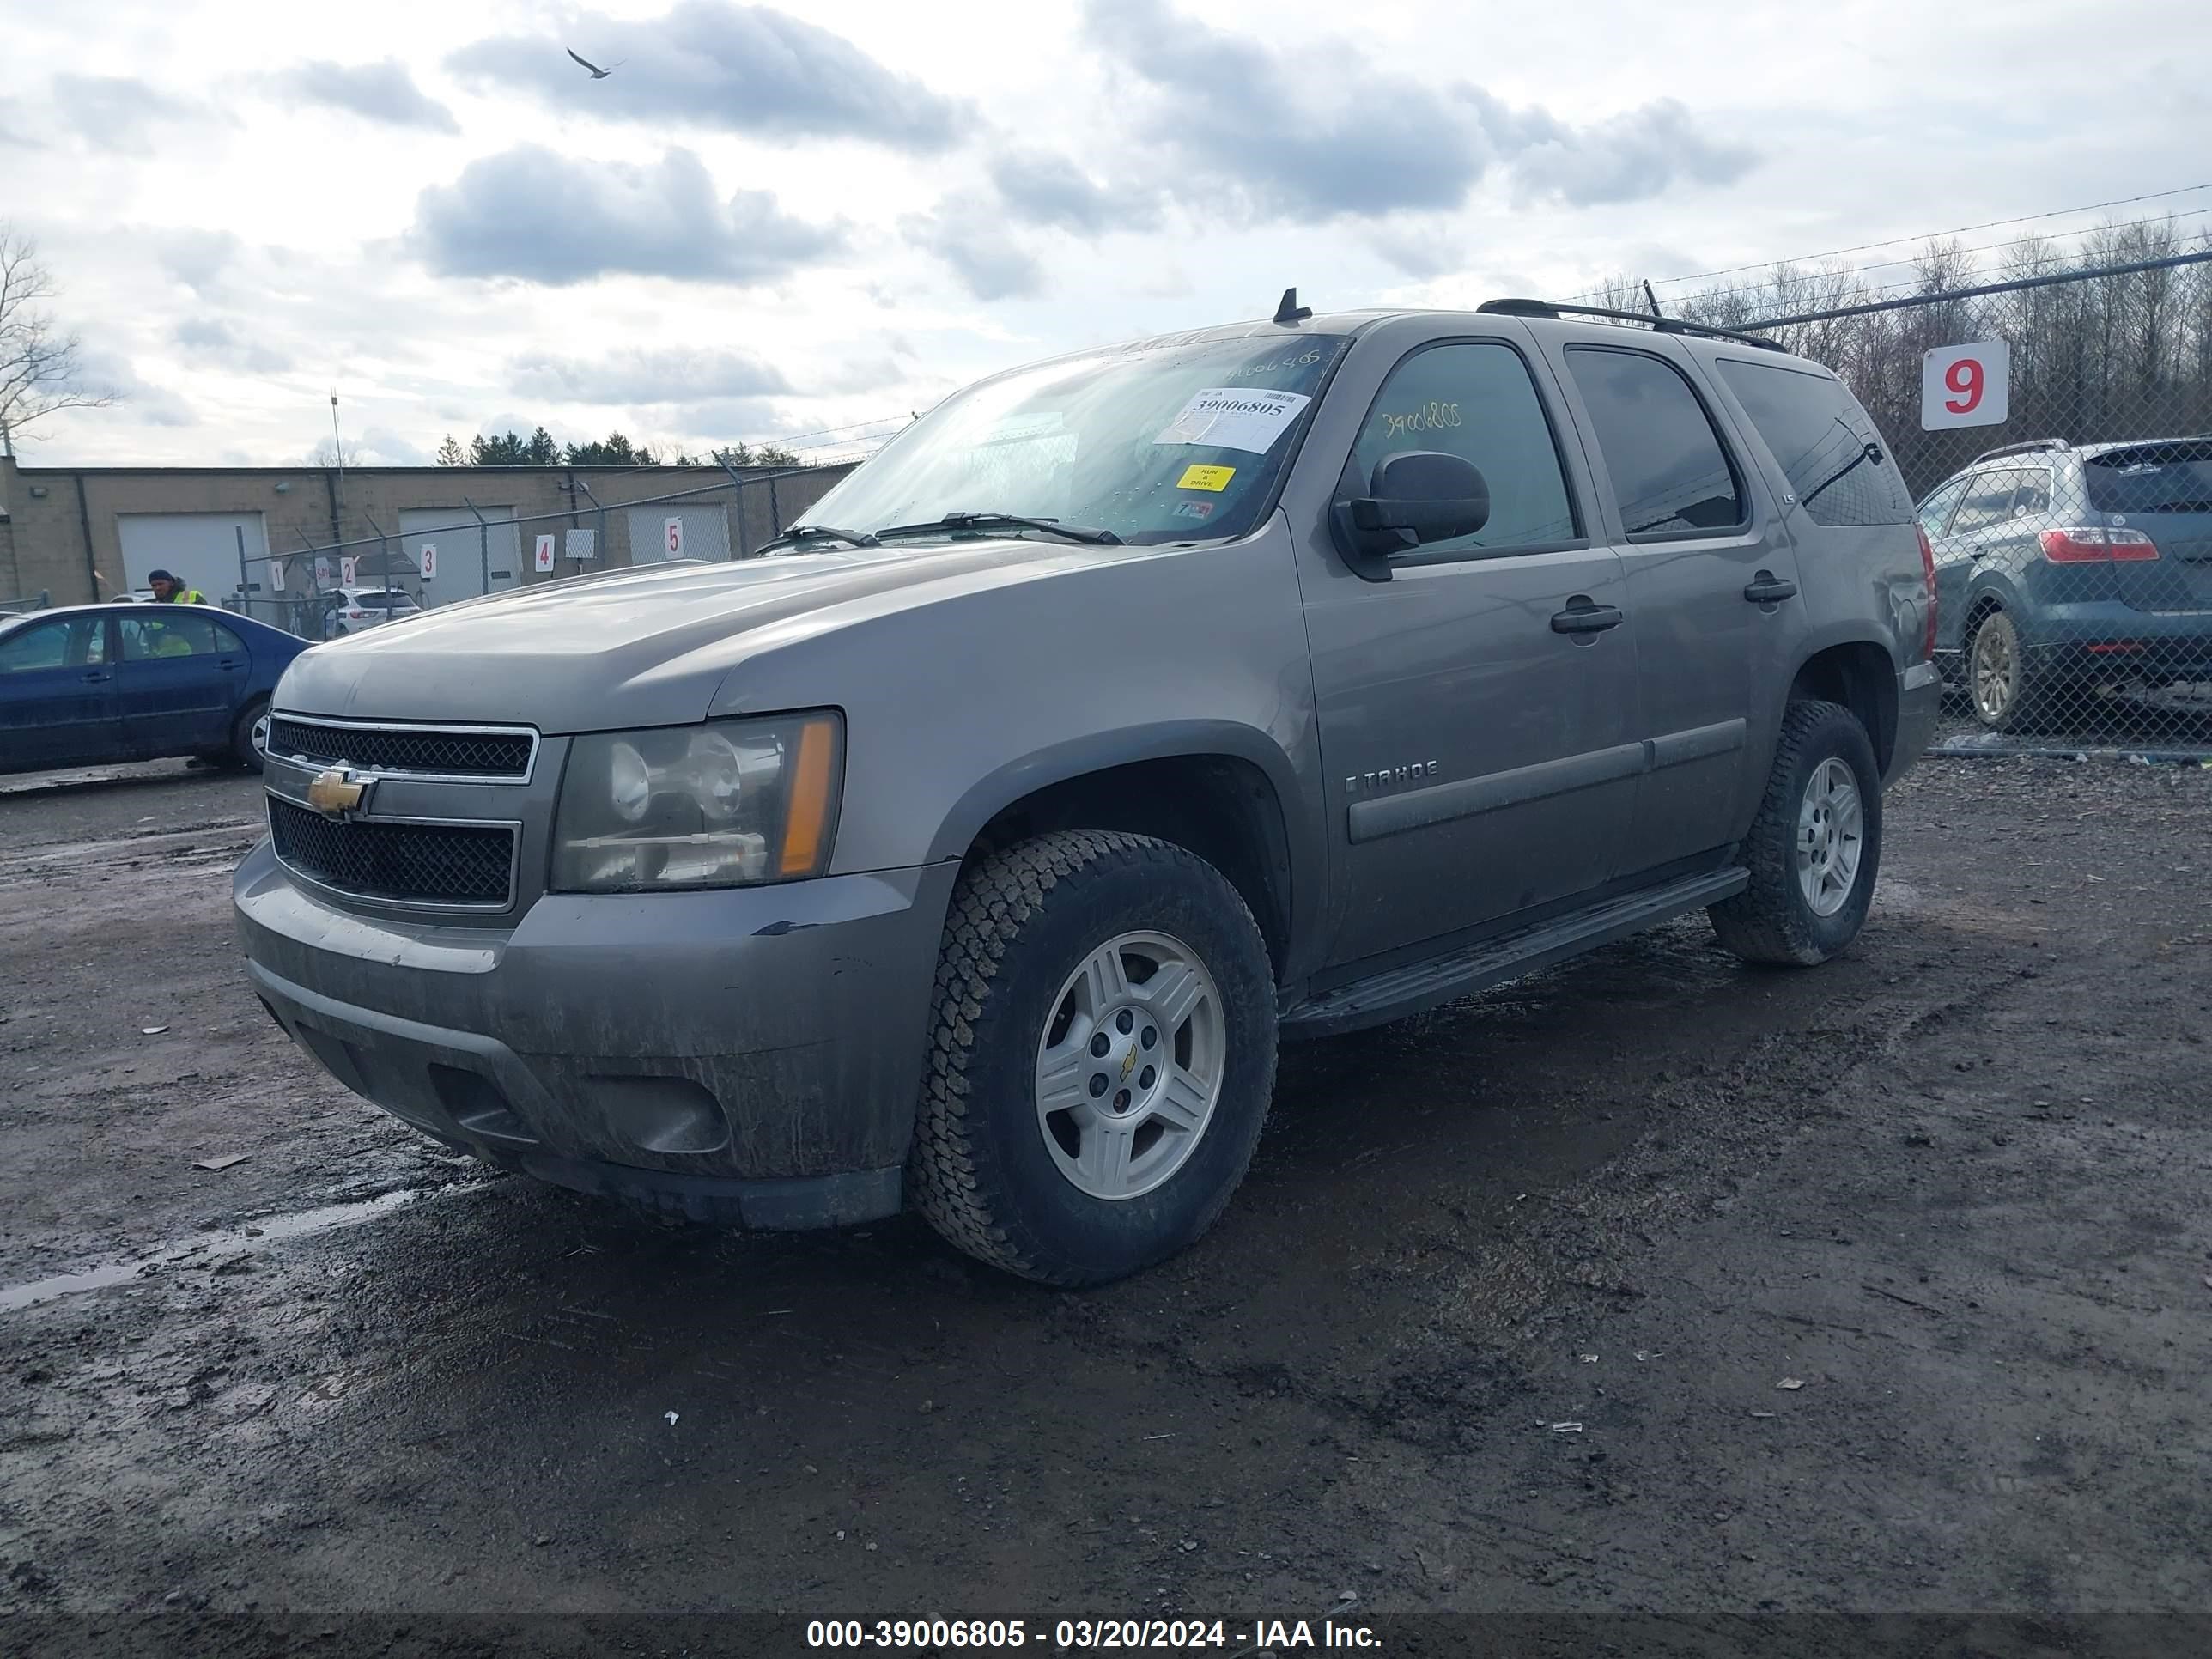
[(199, 549), (706, 533), (468, 564)]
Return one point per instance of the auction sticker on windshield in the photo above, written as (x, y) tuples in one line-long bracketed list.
[(1234, 418)]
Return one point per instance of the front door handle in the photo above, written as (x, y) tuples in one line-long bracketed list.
[(1581, 617), (1767, 588), (99, 677)]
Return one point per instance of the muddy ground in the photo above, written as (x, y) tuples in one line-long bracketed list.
[(1510, 1319)]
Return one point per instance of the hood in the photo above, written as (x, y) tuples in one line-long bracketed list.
[(647, 647)]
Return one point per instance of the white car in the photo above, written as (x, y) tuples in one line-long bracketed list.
[(348, 610)]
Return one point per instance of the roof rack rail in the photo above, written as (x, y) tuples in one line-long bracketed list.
[(2034, 445), (1556, 308)]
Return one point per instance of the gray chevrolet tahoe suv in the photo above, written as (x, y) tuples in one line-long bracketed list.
[(1127, 712)]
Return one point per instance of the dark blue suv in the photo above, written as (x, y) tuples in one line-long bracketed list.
[(2062, 567), (101, 682)]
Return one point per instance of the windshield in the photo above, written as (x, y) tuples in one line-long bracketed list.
[(1177, 440), (2168, 478)]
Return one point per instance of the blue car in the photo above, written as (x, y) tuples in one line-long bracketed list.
[(2061, 567), (100, 683)]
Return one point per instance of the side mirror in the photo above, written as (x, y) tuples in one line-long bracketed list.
[(1415, 496)]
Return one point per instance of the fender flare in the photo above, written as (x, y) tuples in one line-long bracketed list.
[(1100, 751)]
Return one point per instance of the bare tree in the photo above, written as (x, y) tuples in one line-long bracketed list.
[(40, 369), (328, 453)]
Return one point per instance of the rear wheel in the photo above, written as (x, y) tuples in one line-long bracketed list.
[(1815, 849), (2001, 685), (249, 735), (1101, 1059)]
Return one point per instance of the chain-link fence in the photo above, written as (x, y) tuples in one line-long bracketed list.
[(2055, 428), (420, 560)]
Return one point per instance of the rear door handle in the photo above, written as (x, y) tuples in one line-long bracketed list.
[(1584, 618), (98, 678), (1767, 588), (228, 664)]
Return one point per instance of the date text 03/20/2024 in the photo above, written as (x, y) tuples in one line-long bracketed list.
[(1261, 1636)]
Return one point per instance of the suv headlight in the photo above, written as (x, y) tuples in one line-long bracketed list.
[(721, 805)]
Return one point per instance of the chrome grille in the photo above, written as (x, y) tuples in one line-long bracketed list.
[(421, 751), (449, 864)]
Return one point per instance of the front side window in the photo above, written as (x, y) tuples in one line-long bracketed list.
[(1936, 511), (1670, 473), (80, 642), (1165, 441), (175, 633), (1475, 400), (1823, 442)]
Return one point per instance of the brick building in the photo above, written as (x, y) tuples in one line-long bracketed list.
[(264, 539)]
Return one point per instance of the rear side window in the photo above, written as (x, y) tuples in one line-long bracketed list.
[(1823, 441), (1991, 499), (177, 631), (1670, 473), (2151, 478), (1475, 400)]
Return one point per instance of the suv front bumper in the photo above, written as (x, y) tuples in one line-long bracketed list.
[(751, 1054)]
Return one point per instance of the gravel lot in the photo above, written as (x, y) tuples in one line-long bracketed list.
[(1506, 1320)]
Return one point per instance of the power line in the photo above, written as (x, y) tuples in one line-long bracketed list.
[(2058, 255), (1960, 230)]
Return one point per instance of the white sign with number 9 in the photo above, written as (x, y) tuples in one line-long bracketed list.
[(1965, 385)]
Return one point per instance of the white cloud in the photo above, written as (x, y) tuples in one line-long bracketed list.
[(771, 221)]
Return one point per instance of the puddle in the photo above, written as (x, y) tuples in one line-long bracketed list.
[(213, 1247)]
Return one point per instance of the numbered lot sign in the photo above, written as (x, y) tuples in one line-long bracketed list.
[(348, 573), (544, 552), (429, 561), (671, 530), (1965, 385)]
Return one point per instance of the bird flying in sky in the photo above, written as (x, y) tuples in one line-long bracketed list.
[(599, 73)]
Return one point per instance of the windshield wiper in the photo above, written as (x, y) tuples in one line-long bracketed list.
[(817, 532), (982, 521)]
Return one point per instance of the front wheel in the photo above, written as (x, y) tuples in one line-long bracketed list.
[(1101, 1058), (249, 735), (1815, 848)]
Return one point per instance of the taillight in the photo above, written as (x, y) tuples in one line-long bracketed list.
[(357, 615), (2093, 545), (1927, 572)]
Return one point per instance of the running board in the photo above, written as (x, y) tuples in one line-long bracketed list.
[(1398, 991)]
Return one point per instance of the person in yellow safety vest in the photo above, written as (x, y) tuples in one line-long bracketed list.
[(167, 590)]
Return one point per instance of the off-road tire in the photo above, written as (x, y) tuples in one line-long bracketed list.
[(1771, 921), (1021, 919), (242, 752)]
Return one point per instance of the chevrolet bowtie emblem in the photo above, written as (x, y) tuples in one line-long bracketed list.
[(336, 792), (1129, 1065)]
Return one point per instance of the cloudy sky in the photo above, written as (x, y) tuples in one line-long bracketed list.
[(770, 224)]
